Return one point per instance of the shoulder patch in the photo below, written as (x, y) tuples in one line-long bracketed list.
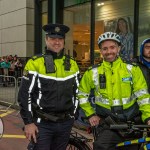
[(94, 66), (37, 56)]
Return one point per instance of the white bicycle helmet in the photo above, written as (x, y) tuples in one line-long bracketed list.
[(109, 36)]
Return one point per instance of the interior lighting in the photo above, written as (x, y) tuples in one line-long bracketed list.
[(100, 4)]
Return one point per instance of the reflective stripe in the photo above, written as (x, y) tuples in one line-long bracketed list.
[(116, 102), (95, 78), (83, 94), (83, 100), (102, 100), (129, 67), (30, 90), (38, 120), (126, 100), (59, 79), (141, 92), (144, 101), (40, 93)]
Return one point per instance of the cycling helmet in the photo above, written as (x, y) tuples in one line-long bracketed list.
[(109, 36)]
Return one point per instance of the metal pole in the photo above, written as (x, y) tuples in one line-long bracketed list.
[(136, 25), (92, 36)]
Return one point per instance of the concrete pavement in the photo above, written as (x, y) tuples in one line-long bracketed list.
[(13, 137)]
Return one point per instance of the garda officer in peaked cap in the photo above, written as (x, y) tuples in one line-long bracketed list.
[(49, 84)]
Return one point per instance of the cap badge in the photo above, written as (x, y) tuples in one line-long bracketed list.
[(57, 29)]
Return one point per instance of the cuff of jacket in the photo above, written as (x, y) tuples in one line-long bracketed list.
[(146, 120)]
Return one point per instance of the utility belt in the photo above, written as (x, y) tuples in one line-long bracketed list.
[(55, 117)]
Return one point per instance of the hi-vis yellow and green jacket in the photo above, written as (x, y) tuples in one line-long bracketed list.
[(125, 86), (52, 92)]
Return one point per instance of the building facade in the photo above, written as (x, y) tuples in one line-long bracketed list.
[(17, 27), (21, 22)]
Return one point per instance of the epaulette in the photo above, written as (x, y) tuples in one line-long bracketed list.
[(94, 66), (36, 56), (133, 63)]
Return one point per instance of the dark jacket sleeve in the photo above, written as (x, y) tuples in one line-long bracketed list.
[(25, 98)]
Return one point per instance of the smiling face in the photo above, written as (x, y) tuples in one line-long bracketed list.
[(54, 44), (110, 50)]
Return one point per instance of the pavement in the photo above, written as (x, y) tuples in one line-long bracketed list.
[(13, 137)]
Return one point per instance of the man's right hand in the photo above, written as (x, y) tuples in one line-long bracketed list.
[(31, 131), (94, 120)]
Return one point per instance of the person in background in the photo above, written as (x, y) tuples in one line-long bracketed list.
[(47, 95), (126, 38), (6, 65), (144, 60), (18, 68), (120, 92)]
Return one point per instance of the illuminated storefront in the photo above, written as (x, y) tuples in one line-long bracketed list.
[(87, 19)]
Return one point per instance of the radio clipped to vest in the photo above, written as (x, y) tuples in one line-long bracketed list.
[(67, 64), (102, 80), (49, 64)]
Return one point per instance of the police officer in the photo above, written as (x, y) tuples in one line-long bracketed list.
[(120, 92), (47, 95)]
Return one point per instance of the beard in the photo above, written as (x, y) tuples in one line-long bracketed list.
[(147, 56)]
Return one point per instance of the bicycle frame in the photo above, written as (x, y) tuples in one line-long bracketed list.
[(84, 141), (130, 127), (143, 140)]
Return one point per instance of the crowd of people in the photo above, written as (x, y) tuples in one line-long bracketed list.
[(11, 66), (52, 89)]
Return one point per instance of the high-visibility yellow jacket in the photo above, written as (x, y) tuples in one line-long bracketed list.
[(125, 87)]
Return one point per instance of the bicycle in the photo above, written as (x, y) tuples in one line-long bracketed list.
[(78, 141), (130, 128)]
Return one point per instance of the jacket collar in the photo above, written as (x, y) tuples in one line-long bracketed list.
[(54, 54), (113, 64)]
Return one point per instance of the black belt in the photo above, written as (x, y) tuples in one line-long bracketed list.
[(53, 117)]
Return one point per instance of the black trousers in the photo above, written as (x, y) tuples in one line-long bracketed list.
[(53, 135), (107, 139)]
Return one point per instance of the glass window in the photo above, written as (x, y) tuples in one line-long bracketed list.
[(144, 22), (78, 38), (116, 16)]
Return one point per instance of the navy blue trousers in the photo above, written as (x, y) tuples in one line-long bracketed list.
[(53, 135)]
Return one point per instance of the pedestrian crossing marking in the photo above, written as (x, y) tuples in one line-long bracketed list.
[(13, 136)]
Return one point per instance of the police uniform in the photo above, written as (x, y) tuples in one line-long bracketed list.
[(48, 93), (120, 92)]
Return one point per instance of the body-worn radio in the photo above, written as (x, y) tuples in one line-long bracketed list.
[(102, 80), (49, 64)]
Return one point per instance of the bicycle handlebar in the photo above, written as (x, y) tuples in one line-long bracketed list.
[(128, 126)]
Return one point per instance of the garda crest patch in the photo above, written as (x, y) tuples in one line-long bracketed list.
[(57, 29), (126, 79)]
